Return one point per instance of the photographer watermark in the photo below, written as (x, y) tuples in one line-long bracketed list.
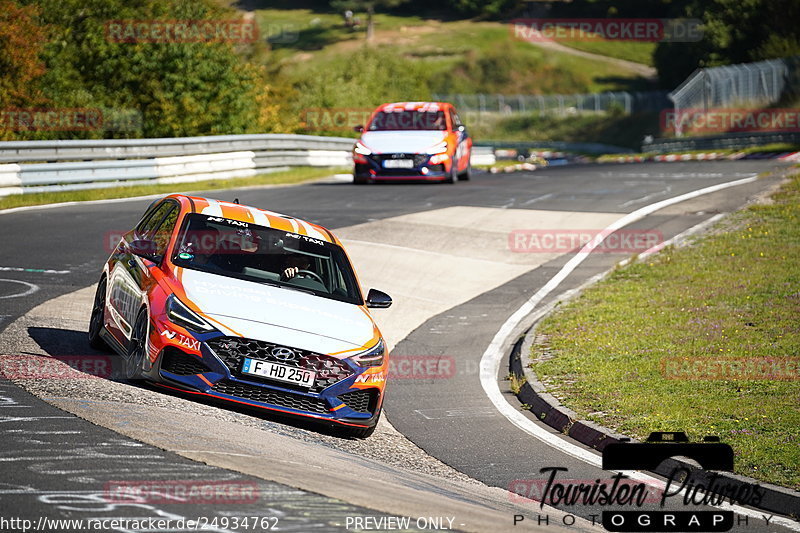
[(535, 30), (730, 120), (181, 31), (422, 367), (51, 119), (731, 368), (334, 118), (402, 523), (181, 491), (580, 491), (628, 241), (69, 119), (56, 367)]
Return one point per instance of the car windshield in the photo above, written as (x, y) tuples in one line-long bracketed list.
[(266, 255), (407, 120)]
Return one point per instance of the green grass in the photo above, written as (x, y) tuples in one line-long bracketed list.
[(295, 175), (638, 52), (452, 56), (734, 293), (767, 148), (306, 29), (609, 128)]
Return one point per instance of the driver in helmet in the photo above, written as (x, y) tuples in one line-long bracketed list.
[(293, 264)]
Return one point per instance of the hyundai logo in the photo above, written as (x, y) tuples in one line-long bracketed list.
[(283, 354)]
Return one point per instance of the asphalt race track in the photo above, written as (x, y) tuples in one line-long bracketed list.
[(442, 252)]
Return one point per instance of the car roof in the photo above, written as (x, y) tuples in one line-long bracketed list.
[(415, 106), (254, 215)]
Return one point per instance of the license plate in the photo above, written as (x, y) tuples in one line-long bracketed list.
[(398, 163), (278, 372)]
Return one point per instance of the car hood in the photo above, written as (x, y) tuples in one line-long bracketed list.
[(282, 316), (408, 142)]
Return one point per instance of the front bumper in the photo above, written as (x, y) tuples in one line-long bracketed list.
[(372, 168), (343, 394)]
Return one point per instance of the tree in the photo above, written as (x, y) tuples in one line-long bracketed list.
[(734, 31), (180, 88), (22, 41)]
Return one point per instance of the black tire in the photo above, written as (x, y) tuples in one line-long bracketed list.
[(137, 348), (467, 174), (96, 319), (453, 177)]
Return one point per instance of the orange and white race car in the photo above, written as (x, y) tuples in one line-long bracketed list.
[(240, 304), (421, 141)]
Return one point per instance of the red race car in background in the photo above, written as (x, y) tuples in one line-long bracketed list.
[(403, 141)]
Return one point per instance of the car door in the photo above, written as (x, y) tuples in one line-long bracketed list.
[(130, 278), (464, 143)]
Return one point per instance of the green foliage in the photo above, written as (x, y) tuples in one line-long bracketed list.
[(367, 77), (21, 43), (613, 128), (507, 68), (492, 9), (735, 31), (180, 88)]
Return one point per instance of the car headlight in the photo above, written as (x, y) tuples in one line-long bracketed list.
[(183, 316), (361, 149), (372, 357), (438, 159), (438, 149)]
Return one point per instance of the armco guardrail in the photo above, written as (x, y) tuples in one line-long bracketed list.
[(721, 142), (576, 147), (92, 150), (42, 166)]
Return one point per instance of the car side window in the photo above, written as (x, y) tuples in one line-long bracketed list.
[(456, 120), (150, 223), (163, 232)]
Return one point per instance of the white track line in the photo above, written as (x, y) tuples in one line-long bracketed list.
[(490, 361), (80, 202), (33, 270), (190, 192), (30, 289)]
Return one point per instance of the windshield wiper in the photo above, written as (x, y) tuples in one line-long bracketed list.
[(296, 288), (285, 286)]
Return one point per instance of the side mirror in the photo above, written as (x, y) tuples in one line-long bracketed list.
[(145, 248), (378, 299), (358, 128)]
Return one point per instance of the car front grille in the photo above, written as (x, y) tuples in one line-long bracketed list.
[(361, 400), (233, 350), (419, 159), (273, 397), (180, 363)]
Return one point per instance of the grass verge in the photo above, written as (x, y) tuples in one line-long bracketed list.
[(295, 175), (733, 294), (638, 52), (615, 128), (410, 58), (774, 148)]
